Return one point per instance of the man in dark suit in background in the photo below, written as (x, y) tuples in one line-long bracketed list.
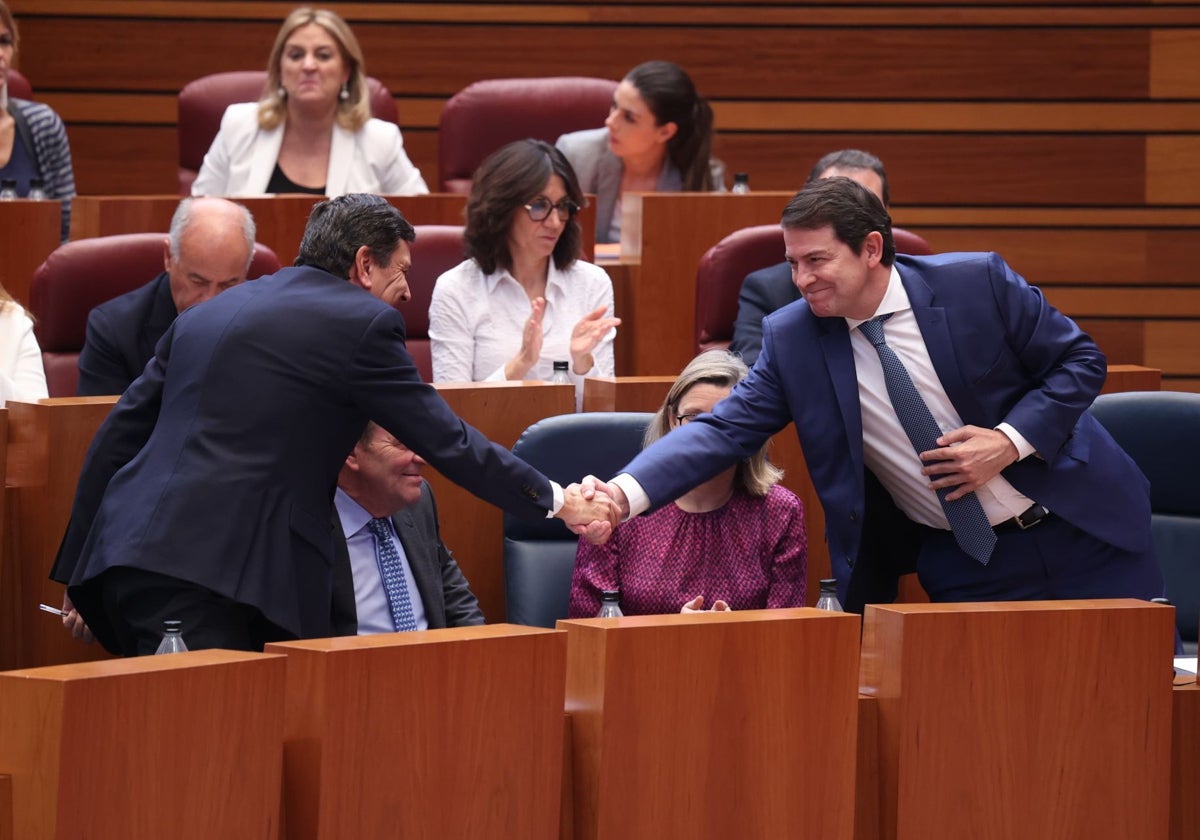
[(208, 250), (206, 494), (768, 289), (382, 497)]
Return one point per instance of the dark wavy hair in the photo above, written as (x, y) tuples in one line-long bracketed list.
[(509, 179), (852, 210), (668, 91), (338, 227)]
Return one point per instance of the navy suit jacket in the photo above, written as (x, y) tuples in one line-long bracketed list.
[(1001, 352), (121, 336), (445, 593), (762, 292), (218, 465)]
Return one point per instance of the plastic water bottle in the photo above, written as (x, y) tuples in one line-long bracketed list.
[(829, 599), (8, 189), (560, 375), (741, 183), (172, 640), (37, 189), (610, 604)]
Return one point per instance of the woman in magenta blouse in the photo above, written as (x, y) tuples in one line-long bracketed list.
[(737, 541)]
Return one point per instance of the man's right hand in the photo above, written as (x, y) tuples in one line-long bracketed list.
[(592, 516), (74, 622), (591, 485)]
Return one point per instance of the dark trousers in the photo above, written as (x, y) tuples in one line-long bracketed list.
[(137, 603)]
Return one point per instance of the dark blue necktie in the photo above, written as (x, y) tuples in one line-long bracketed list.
[(395, 583), (966, 517)]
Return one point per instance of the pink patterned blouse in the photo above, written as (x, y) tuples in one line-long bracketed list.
[(751, 552)]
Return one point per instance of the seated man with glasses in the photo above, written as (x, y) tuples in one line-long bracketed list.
[(522, 299)]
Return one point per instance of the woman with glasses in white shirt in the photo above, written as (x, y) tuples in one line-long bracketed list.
[(523, 299)]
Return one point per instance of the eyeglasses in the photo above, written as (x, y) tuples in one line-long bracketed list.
[(539, 209), (686, 418)]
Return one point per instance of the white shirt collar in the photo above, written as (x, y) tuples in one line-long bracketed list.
[(895, 299)]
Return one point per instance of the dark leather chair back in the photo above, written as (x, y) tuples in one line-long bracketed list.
[(539, 557), (18, 86), (486, 115), (438, 249), (725, 265), (202, 103), (1159, 430), (83, 274)]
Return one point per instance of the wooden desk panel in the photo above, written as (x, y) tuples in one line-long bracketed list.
[(1185, 762), (471, 528), (707, 721), (29, 232), (1025, 719), (46, 447), (187, 746), (440, 734)]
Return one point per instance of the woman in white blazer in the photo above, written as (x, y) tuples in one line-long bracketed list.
[(312, 131), (21, 374)]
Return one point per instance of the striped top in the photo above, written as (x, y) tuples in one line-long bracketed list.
[(51, 152)]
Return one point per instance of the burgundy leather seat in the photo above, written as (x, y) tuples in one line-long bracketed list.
[(438, 248), (18, 86), (486, 115)]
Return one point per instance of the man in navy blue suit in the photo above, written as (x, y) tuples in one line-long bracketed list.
[(207, 251), (1006, 377), (206, 495), (771, 288)]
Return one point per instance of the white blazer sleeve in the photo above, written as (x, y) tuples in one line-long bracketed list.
[(22, 376), (397, 175)]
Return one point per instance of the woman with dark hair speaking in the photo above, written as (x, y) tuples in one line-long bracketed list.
[(522, 299), (657, 138)]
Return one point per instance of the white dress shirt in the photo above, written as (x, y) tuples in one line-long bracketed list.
[(22, 376), (887, 451), (370, 598), (476, 322)]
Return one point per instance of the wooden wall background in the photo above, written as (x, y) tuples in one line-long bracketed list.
[(1065, 135)]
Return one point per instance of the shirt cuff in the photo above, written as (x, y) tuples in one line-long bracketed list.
[(639, 502), (1024, 447), (557, 503), (496, 375)]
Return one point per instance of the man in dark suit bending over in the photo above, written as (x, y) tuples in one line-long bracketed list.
[(206, 494), (388, 516), (207, 251)]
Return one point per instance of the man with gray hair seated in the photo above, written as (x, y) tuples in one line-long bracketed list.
[(207, 251)]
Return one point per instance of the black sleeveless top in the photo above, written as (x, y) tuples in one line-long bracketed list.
[(281, 183)]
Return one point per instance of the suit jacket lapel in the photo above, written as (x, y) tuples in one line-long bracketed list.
[(839, 359), (162, 314), (935, 330), (264, 157), (424, 564)]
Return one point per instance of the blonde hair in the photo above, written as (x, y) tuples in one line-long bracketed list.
[(352, 112), (755, 475), (6, 18)]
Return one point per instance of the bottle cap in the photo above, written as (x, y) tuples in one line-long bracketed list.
[(610, 594), (8, 183), (829, 583), (35, 183), (741, 177), (561, 365)]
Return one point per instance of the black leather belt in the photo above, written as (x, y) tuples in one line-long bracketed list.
[(1032, 516)]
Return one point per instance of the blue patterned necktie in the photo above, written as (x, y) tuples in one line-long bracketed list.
[(966, 517), (391, 569)]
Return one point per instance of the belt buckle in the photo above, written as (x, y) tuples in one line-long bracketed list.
[(1037, 512)]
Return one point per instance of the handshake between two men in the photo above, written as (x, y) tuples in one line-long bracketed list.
[(593, 508)]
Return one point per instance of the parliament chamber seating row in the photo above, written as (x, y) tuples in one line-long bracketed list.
[(1018, 720)]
